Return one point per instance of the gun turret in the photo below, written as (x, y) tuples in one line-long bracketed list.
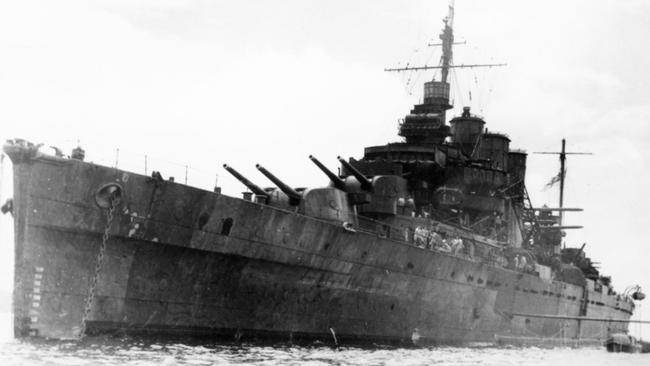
[(366, 184), (338, 182), (294, 196), (252, 186)]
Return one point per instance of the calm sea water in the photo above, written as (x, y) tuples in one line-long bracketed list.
[(133, 352)]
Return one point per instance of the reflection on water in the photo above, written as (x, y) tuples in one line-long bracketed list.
[(105, 351)]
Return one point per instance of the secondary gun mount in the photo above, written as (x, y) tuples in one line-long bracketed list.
[(252, 186), (338, 182), (294, 196), (366, 184)]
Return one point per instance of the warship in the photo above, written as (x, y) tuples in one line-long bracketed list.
[(431, 240)]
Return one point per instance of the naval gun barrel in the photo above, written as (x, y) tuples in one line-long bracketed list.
[(338, 182), (366, 184), (561, 227), (292, 193), (560, 209), (252, 186), (575, 257)]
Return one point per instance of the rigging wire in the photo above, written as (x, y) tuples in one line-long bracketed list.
[(418, 74), (458, 92), (2, 173), (488, 86), (409, 75), (478, 86), (640, 326)]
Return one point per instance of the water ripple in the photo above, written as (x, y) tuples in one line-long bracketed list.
[(137, 353)]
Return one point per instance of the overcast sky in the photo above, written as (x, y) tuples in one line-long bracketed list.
[(243, 82)]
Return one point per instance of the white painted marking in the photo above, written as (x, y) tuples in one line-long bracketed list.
[(33, 319), (38, 276), (36, 297), (36, 304), (40, 269), (37, 290), (37, 283)]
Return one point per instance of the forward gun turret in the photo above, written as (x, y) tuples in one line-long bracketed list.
[(366, 184), (252, 186), (336, 181), (294, 196)]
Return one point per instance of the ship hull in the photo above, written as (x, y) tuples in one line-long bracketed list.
[(183, 261)]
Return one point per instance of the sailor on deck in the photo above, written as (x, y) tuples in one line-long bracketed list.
[(435, 240), (456, 245), (444, 246), (420, 236), (522, 263)]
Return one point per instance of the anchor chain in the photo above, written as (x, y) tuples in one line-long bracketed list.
[(98, 267)]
